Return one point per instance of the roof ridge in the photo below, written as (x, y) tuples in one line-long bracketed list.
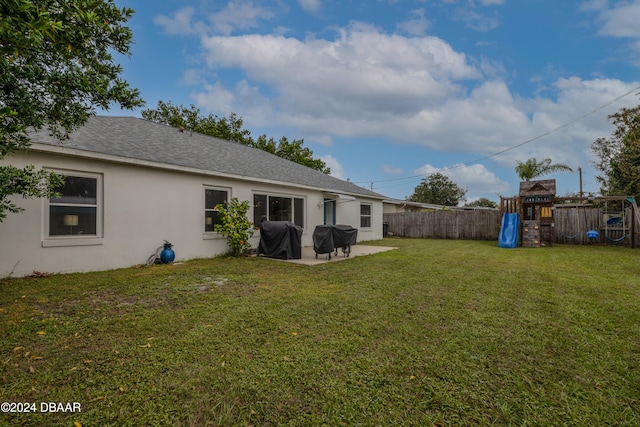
[(146, 140)]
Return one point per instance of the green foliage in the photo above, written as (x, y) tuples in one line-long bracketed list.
[(291, 150), (483, 202), (534, 169), (619, 155), (235, 225), (56, 67), (439, 190), (26, 182), (231, 129), (191, 119)]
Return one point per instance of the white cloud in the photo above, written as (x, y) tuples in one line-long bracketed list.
[(179, 23), (427, 170), (488, 119), (240, 15), (337, 170), (590, 5), (478, 21), (243, 97), (365, 84), (477, 179), (316, 82), (476, 18), (215, 98), (621, 21), (571, 83), (473, 3), (392, 170), (310, 6), (236, 15), (192, 77), (416, 25), (575, 104)]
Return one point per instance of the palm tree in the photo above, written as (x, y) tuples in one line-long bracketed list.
[(534, 169)]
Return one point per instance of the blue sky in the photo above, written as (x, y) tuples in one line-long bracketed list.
[(389, 91)]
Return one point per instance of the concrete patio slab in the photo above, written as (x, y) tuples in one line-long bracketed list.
[(309, 256)]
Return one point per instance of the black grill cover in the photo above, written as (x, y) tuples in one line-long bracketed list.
[(344, 236), (280, 239), (323, 239), (327, 238)]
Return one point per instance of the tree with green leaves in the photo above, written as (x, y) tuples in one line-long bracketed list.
[(439, 190), (235, 226), (231, 129), (291, 150), (619, 155), (192, 120), (482, 202), (533, 168), (56, 67)]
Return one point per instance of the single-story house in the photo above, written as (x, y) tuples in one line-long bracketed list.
[(132, 183)]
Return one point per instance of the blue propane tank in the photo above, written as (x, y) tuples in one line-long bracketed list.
[(167, 255)]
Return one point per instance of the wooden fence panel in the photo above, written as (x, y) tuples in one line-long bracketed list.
[(572, 224), (446, 224)]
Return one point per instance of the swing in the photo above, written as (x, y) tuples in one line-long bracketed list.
[(615, 220), (624, 236), (565, 235)]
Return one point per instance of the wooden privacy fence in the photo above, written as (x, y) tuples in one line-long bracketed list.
[(570, 225), (445, 224)]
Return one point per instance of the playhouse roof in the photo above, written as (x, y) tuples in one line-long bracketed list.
[(538, 188)]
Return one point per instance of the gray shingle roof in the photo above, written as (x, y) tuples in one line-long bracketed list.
[(139, 139)]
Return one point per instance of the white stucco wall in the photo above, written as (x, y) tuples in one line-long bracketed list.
[(348, 212), (142, 206)]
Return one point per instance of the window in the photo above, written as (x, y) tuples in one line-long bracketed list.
[(278, 208), (213, 198), (365, 216), (77, 210)]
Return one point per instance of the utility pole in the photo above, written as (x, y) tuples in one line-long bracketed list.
[(580, 172)]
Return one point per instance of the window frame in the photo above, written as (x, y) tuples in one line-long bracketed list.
[(211, 234), (207, 209), (49, 240), (296, 201), (364, 216)]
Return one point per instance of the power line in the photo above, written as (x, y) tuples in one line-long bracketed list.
[(567, 124)]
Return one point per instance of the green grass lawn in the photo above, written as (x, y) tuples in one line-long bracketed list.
[(436, 333)]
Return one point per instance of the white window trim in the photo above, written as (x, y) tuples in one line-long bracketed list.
[(77, 240), (370, 216), (283, 195), (211, 235)]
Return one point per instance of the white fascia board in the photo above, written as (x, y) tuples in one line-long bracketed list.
[(341, 196)]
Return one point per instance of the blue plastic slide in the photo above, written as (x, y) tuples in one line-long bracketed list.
[(509, 231)]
